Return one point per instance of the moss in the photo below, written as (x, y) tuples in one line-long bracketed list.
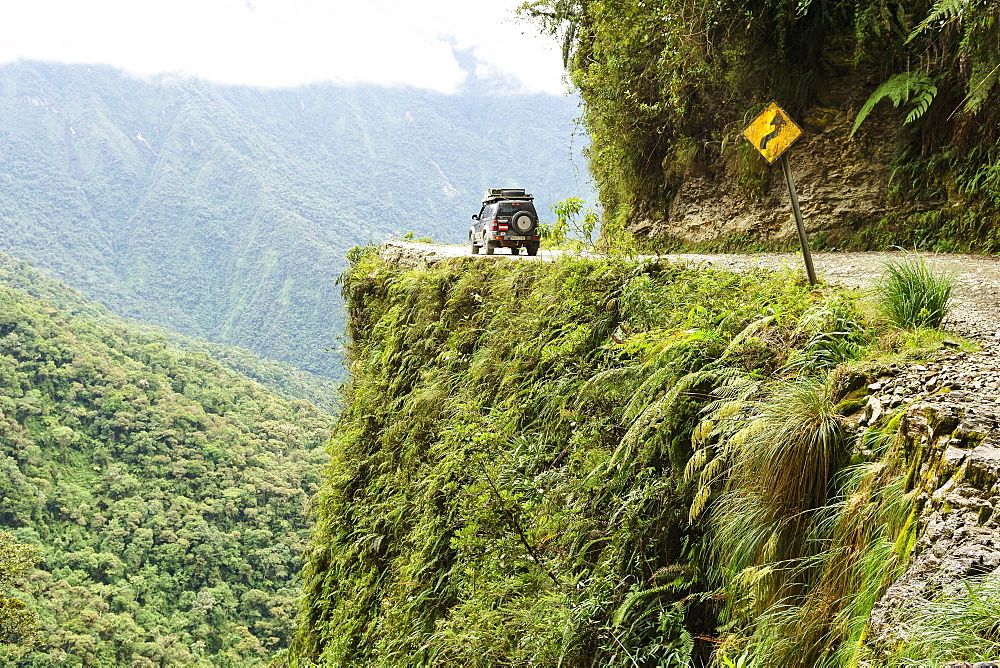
[(986, 514), (508, 482), (907, 538), (849, 406), (893, 423)]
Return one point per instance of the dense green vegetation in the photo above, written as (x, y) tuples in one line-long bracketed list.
[(18, 624), (224, 212), (281, 378), (668, 86), (165, 494), (574, 464)]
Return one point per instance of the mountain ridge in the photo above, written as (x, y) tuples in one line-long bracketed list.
[(225, 212), (281, 378)]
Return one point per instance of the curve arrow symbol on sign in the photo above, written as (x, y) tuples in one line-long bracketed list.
[(777, 123)]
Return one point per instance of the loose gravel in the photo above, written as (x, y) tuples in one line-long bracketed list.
[(976, 312)]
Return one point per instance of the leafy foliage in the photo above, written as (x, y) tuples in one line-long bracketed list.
[(668, 86), (163, 493), (18, 624), (506, 485), (556, 234)]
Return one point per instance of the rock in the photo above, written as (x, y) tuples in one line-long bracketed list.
[(983, 466), (642, 227), (873, 410), (958, 439), (953, 457)]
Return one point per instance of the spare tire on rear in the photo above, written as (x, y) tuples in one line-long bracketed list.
[(522, 223)]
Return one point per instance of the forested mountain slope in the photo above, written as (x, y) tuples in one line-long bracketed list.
[(281, 378), (899, 100), (167, 494), (225, 212)]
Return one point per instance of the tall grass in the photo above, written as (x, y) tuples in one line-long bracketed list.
[(782, 462), (913, 296), (957, 626)]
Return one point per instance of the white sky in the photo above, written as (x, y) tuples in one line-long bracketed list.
[(285, 42)]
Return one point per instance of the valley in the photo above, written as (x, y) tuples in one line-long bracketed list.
[(261, 405), (166, 494)]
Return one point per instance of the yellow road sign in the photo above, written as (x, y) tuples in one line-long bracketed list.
[(772, 132)]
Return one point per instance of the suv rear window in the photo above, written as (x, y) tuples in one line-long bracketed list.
[(510, 208)]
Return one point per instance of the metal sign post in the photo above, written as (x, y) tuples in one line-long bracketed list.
[(803, 241), (771, 133)]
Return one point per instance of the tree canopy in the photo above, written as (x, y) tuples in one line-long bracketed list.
[(165, 495)]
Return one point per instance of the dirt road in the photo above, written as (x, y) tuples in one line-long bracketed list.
[(977, 290)]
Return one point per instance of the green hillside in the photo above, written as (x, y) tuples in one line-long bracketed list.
[(279, 377), (605, 462), (166, 493), (225, 212)]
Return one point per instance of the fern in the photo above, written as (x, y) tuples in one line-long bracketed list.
[(635, 597), (921, 101), (899, 90), (944, 11), (978, 46)]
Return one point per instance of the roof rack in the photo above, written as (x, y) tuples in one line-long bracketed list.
[(505, 193)]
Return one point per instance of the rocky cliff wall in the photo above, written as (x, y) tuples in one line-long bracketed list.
[(842, 186), (951, 433)]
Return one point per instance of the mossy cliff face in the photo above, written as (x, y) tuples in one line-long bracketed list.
[(580, 463), (668, 87), (952, 443)]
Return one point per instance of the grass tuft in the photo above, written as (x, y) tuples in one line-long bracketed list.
[(912, 296), (782, 460)]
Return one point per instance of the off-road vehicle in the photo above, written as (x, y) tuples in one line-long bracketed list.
[(507, 220)]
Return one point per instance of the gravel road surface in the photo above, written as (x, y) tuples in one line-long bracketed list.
[(977, 291)]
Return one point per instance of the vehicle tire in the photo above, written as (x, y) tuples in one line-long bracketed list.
[(490, 249), (532, 250), (473, 246), (522, 223), (514, 250)]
